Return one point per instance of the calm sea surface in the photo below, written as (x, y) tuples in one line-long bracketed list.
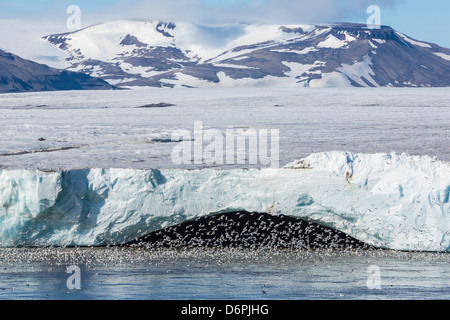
[(224, 274)]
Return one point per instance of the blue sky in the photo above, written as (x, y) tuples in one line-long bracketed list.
[(423, 20)]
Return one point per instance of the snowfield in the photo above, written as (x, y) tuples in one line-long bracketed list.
[(92, 168), (105, 129)]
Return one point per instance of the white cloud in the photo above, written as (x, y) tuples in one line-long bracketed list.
[(256, 11), (23, 37)]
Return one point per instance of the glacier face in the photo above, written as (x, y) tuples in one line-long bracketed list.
[(393, 201)]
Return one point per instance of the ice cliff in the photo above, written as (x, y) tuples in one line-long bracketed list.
[(394, 201)]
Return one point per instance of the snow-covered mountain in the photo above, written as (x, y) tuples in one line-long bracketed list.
[(94, 207), (17, 75), (132, 53)]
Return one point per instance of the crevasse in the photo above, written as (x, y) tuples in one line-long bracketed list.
[(394, 201)]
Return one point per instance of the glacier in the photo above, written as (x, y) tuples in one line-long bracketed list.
[(389, 200)]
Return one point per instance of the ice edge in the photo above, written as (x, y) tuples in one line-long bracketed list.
[(393, 201)]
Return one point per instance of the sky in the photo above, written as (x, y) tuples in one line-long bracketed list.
[(24, 21)]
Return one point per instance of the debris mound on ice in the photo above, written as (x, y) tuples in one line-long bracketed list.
[(249, 230)]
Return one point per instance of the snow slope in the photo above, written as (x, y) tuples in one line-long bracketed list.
[(393, 200)]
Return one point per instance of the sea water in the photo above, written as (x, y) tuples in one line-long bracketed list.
[(222, 274)]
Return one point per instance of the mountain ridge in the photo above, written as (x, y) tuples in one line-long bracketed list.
[(168, 54), (21, 75)]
